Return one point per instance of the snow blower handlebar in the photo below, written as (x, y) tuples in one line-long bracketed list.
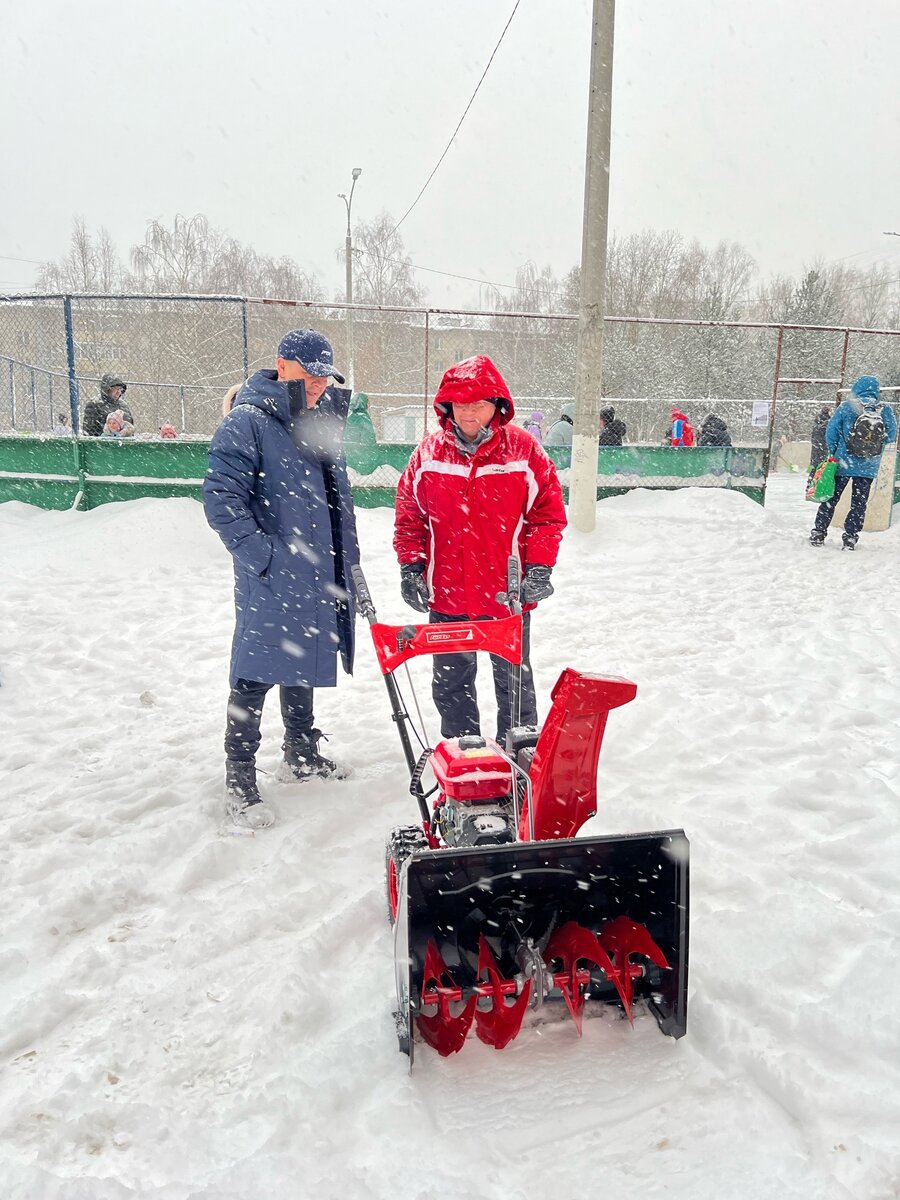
[(396, 644), (363, 595), (512, 598), (399, 713)]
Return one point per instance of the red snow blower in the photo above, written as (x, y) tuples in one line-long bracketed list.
[(498, 908)]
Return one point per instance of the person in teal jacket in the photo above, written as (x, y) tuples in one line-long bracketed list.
[(360, 430), (856, 437)]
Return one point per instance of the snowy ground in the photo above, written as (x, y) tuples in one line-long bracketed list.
[(187, 1015)]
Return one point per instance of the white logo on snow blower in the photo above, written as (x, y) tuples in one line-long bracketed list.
[(465, 636)]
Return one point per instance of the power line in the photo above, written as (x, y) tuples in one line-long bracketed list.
[(512, 287), (431, 270), (12, 258), (459, 123)]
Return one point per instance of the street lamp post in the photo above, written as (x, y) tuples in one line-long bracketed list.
[(348, 267)]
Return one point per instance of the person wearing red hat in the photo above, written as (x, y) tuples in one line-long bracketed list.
[(681, 431), (476, 492)]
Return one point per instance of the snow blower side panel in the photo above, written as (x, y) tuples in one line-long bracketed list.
[(522, 892)]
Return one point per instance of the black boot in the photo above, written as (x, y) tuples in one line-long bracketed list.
[(302, 759), (816, 537), (243, 802)]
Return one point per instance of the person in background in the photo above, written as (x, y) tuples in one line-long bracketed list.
[(818, 447), (62, 428), (714, 432), (278, 496), (112, 389), (360, 429), (117, 425), (681, 431), (535, 426), (612, 430), (168, 430), (560, 432), (856, 436), (229, 398), (473, 494)]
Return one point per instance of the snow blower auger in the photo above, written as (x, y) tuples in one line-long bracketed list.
[(498, 909)]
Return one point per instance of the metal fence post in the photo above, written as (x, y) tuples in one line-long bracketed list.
[(844, 355), (778, 351), (246, 339), (425, 396), (70, 361)]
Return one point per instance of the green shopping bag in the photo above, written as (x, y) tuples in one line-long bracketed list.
[(821, 486)]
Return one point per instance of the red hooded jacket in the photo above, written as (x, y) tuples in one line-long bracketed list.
[(465, 514), (682, 431)]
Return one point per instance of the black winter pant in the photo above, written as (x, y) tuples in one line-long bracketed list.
[(453, 687), (245, 706), (858, 502)]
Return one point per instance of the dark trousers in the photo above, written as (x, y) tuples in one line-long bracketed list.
[(453, 687), (245, 706), (858, 502)]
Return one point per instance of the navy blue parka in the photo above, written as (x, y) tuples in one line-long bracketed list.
[(278, 496)]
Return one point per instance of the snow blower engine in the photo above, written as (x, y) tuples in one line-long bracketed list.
[(499, 911)]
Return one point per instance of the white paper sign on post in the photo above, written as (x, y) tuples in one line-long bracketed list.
[(759, 416)]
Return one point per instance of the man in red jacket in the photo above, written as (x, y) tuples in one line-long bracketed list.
[(476, 492)]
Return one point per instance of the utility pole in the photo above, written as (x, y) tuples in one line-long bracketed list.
[(583, 473), (348, 277)]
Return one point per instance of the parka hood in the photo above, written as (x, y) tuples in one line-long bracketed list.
[(470, 381), (266, 391), (108, 382), (867, 389), (713, 423)]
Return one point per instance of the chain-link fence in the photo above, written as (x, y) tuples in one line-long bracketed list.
[(180, 354)]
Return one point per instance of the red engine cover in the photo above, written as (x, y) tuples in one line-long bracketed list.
[(471, 772)]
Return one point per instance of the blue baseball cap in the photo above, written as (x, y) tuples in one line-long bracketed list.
[(311, 350)]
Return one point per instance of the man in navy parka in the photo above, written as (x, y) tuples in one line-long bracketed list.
[(278, 495)]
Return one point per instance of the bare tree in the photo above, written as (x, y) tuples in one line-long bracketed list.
[(383, 271), (92, 264), (180, 259)]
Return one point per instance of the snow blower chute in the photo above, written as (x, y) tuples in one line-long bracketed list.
[(499, 910)]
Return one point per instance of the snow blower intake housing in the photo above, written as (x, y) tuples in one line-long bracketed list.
[(498, 908)]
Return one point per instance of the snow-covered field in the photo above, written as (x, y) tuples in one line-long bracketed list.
[(187, 1015)]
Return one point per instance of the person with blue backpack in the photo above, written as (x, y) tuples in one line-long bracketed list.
[(856, 436)]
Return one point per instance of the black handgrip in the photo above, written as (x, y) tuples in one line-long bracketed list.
[(511, 598), (363, 595), (415, 783)]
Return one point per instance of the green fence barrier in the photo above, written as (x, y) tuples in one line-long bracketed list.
[(86, 472)]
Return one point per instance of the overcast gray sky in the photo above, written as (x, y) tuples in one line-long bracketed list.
[(775, 123)]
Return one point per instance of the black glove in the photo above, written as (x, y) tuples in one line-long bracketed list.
[(536, 585), (413, 587)]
